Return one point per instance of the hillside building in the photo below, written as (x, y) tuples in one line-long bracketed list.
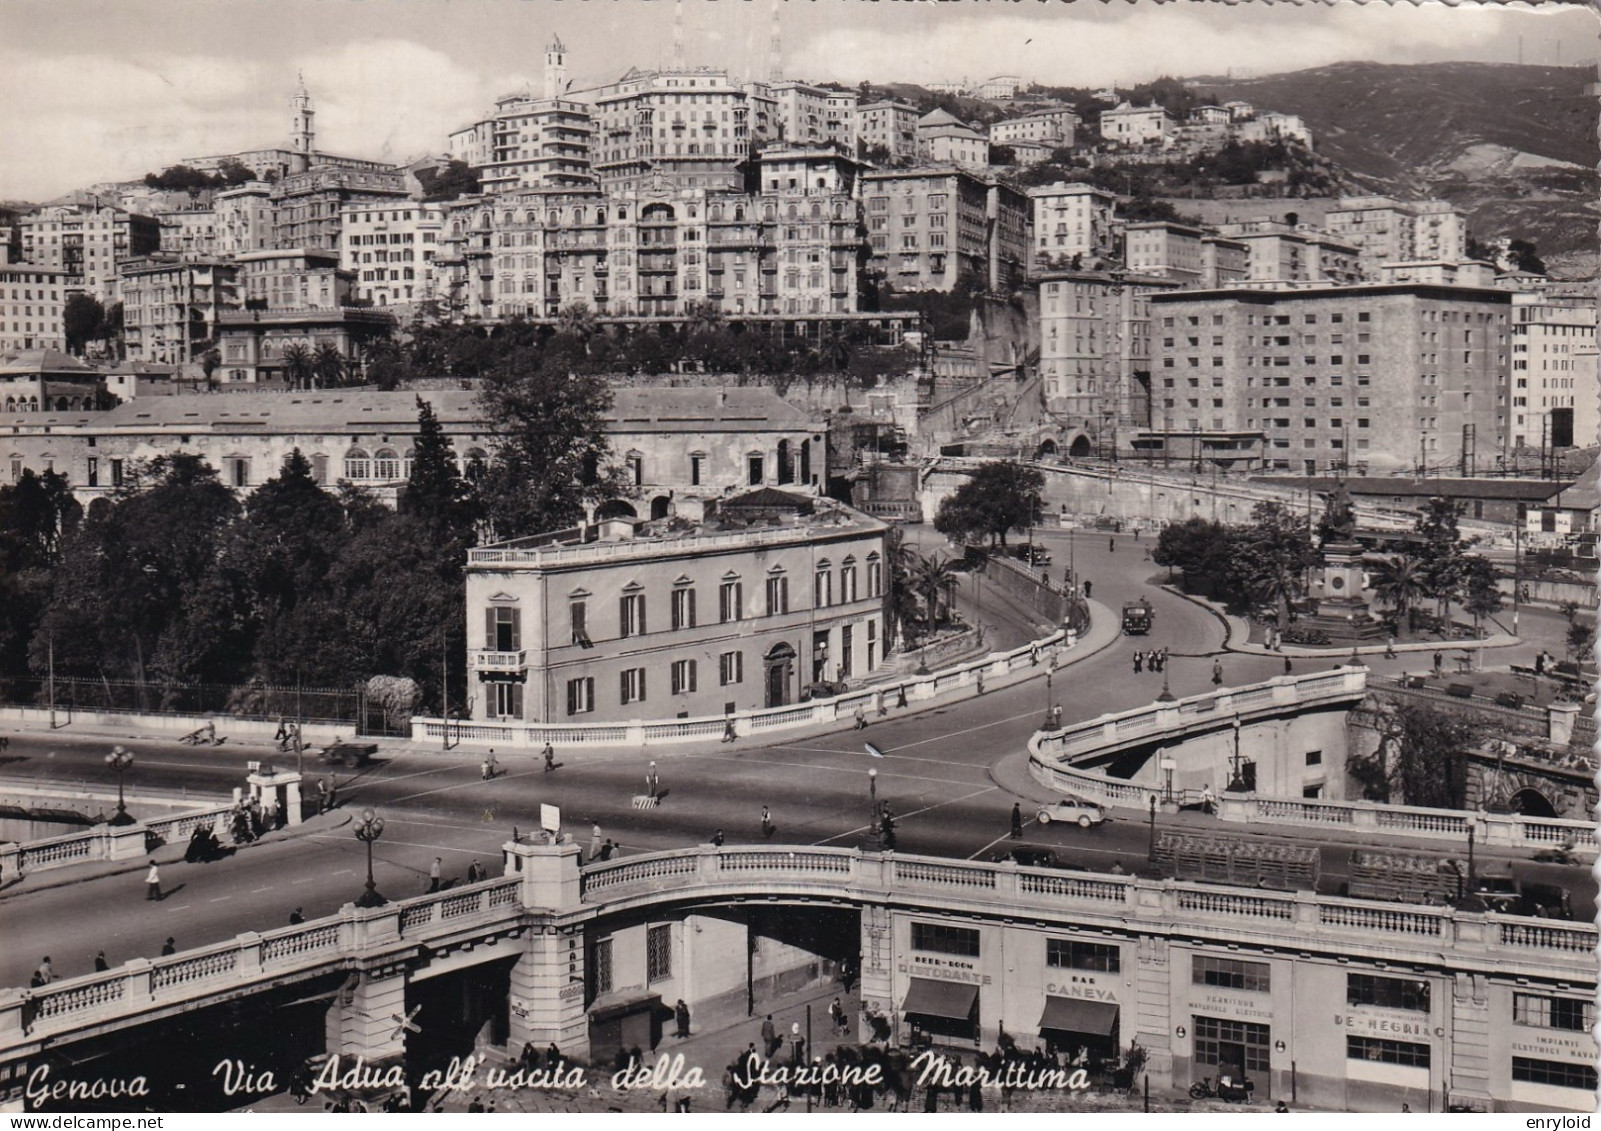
[(1380, 378), (1055, 128), (890, 126), (243, 218), (1095, 349), (1071, 220), (32, 300), (1127, 124), (931, 228), (87, 241), (687, 128), (171, 308), (1390, 231), (1555, 381), (390, 250)]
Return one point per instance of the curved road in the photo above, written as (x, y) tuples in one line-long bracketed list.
[(934, 775)]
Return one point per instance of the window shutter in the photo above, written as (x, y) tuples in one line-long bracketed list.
[(622, 616), (641, 685), (692, 675), (642, 614), (572, 696), (489, 629), (516, 700), (622, 685), (691, 598), (516, 630)]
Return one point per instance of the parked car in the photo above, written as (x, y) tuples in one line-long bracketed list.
[(1029, 855), (1032, 555), (1071, 811)]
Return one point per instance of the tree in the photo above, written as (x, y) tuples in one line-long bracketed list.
[(1422, 753), (1398, 583), (576, 319), (1481, 588), (1200, 550), (999, 497), (80, 321), (297, 365), (1580, 640), (328, 365), (1523, 256), (210, 361), (550, 445), (1442, 556), (899, 559), (1268, 558), (435, 493), (935, 580), (455, 180), (37, 515)]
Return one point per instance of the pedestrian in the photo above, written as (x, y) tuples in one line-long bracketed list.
[(433, 874), (1087, 590), (797, 1043), (169, 947), (1017, 820), (1208, 799), (652, 781), (549, 754), (860, 717), (836, 1012), (769, 1038), (1034, 656), (767, 822), (1539, 663), (488, 767), (900, 696), (728, 729), (474, 872), (1056, 716), (101, 964), (608, 848), (981, 683), (44, 975), (1111, 545), (333, 794), (322, 795), (1286, 665), (1439, 663), (717, 839), (681, 1016), (1281, 1107), (1139, 659), (153, 882), (1217, 673), (1389, 648), (594, 841), (296, 917)]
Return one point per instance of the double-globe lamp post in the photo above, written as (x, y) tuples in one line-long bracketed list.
[(368, 830), (120, 759)]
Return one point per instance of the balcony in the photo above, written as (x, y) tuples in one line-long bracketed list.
[(482, 659)]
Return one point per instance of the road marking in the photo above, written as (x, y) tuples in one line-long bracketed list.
[(257, 891), (219, 899), (899, 817), (180, 907), (342, 872), (996, 841), (863, 771), (305, 880)]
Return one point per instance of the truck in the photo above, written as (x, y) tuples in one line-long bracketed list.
[(1137, 617)]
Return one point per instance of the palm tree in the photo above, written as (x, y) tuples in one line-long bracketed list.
[(328, 365), (704, 317), (297, 365), (1398, 583), (935, 577), (576, 319)]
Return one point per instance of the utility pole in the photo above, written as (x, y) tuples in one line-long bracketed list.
[(444, 691), (50, 686)]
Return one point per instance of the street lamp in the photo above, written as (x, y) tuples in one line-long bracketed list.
[(1150, 852), (872, 785), (1236, 782), (120, 759), (370, 828)]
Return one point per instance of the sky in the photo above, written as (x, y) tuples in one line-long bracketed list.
[(96, 90)]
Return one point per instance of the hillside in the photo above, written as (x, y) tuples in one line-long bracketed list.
[(1515, 147)]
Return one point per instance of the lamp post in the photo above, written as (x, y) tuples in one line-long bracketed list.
[(1049, 676), (120, 759), (872, 787), (368, 830), (1236, 782), (1150, 852)]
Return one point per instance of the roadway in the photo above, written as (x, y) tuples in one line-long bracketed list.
[(934, 775)]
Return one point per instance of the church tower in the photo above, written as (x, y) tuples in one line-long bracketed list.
[(303, 135), (555, 69)]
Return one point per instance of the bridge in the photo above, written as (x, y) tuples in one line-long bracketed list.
[(954, 951)]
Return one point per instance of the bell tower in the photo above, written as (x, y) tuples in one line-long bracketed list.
[(555, 68), (303, 135)]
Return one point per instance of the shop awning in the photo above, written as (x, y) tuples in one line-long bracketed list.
[(1074, 1015), (932, 998)]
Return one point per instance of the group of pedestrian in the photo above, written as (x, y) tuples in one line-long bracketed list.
[(490, 768), (1151, 660)]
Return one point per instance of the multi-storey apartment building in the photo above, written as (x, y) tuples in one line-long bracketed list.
[(793, 248), (1224, 262), (307, 206), (947, 140), (1166, 250), (390, 250), (933, 228), (171, 307), (803, 112), (189, 232), (1464, 273), (88, 241), (1280, 254), (625, 621), (840, 118), (686, 128), (1095, 348), (1136, 125), (243, 218), (1071, 220), (1362, 377), (32, 299), (1386, 230), (1555, 383), (890, 126), (1055, 127), (526, 142)]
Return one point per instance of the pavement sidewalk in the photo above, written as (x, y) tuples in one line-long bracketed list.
[(171, 853)]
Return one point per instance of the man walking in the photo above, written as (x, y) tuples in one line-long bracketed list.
[(1139, 659), (594, 841), (550, 757), (169, 947), (296, 917), (860, 717), (1087, 590), (433, 874), (1217, 673), (101, 965), (769, 1037), (153, 882), (1439, 664), (1017, 820), (681, 1017), (767, 822)]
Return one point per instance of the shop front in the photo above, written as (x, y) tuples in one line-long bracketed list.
[(938, 1012), (1070, 1024)]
